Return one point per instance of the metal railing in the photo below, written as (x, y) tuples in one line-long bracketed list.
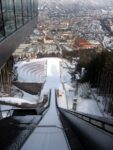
[(100, 122), (93, 132)]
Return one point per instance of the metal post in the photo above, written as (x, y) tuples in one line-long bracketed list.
[(27, 11), (22, 12), (14, 10), (2, 18), (31, 9)]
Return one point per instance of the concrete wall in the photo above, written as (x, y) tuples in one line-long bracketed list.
[(8, 45)]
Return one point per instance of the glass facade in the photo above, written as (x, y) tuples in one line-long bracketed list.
[(2, 31), (14, 14), (18, 13), (25, 10), (8, 15)]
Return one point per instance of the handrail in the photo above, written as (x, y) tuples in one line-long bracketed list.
[(100, 122), (89, 135)]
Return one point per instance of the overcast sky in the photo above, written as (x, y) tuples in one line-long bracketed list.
[(94, 3), (83, 1)]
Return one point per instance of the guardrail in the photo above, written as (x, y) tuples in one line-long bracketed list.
[(104, 123), (95, 133), (100, 122)]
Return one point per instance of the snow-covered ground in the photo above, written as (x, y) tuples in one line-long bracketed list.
[(49, 70), (33, 71), (49, 133), (108, 42), (53, 80), (101, 102), (13, 100), (55, 74), (54, 135), (85, 103), (27, 96), (88, 106)]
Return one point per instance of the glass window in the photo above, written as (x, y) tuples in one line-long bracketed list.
[(9, 17), (25, 10), (15, 13), (18, 13), (29, 9), (35, 7), (2, 32), (32, 8)]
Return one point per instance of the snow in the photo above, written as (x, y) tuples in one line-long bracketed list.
[(25, 73), (67, 48), (30, 97), (46, 138), (86, 105), (56, 77), (53, 80), (49, 129), (70, 93), (77, 76), (61, 100), (51, 117), (5, 107), (100, 102), (66, 77), (108, 42), (15, 101), (33, 71), (85, 101), (65, 69), (53, 74)]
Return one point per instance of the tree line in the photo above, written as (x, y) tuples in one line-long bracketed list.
[(99, 73)]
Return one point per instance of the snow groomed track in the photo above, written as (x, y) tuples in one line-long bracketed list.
[(49, 134)]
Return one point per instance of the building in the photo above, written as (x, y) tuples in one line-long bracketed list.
[(80, 43), (17, 20)]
